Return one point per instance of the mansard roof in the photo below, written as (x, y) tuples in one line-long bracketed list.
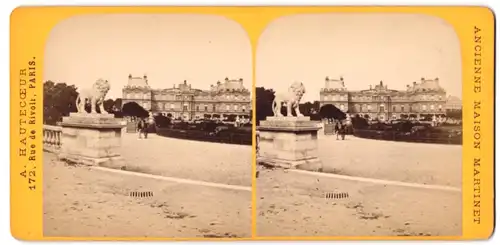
[(425, 85)]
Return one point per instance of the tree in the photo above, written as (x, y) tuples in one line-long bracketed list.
[(454, 114), (133, 109), (231, 117), (162, 121), (308, 108), (359, 122), (315, 116), (58, 101), (109, 105), (118, 104), (264, 102), (331, 112)]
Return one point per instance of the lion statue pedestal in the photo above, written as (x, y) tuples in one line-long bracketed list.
[(289, 141), (91, 138)]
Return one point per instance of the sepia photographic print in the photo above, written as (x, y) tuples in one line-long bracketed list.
[(147, 127), (359, 126)]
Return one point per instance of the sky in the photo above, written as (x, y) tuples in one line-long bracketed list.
[(168, 48), (363, 48)]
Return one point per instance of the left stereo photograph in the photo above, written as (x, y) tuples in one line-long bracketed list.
[(147, 127)]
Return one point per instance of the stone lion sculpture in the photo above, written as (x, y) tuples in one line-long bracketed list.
[(94, 95), (292, 99)]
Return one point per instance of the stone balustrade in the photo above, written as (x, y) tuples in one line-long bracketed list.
[(52, 138)]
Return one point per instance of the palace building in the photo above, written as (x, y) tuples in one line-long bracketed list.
[(181, 100), (380, 102)]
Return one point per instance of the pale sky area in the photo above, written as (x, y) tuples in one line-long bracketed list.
[(363, 48), (168, 48)]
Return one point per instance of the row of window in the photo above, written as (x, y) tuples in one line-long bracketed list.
[(395, 108), (147, 96), (205, 108), (381, 98)]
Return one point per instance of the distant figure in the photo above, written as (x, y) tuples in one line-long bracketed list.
[(343, 130), (337, 129), (140, 127), (148, 123)]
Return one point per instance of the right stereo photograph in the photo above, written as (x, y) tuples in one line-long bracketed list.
[(359, 126)]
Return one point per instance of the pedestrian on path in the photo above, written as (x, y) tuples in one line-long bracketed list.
[(141, 125), (337, 128), (342, 130)]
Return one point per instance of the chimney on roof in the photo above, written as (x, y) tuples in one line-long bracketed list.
[(129, 76), (241, 79), (422, 79), (327, 79), (370, 87), (381, 83), (341, 78), (185, 82), (227, 79), (145, 76), (436, 79), (414, 83)]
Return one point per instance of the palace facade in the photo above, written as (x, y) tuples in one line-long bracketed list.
[(181, 100), (380, 102)]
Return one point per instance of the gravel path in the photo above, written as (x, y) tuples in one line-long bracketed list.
[(408, 162), (79, 201), (211, 162), (294, 204)]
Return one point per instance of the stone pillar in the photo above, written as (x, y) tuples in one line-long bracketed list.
[(289, 142), (91, 139)]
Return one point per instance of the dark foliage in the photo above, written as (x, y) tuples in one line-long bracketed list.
[(58, 101), (264, 101), (331, 112), (133, 109), (454, 114), (359, 122), (162, 121)]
